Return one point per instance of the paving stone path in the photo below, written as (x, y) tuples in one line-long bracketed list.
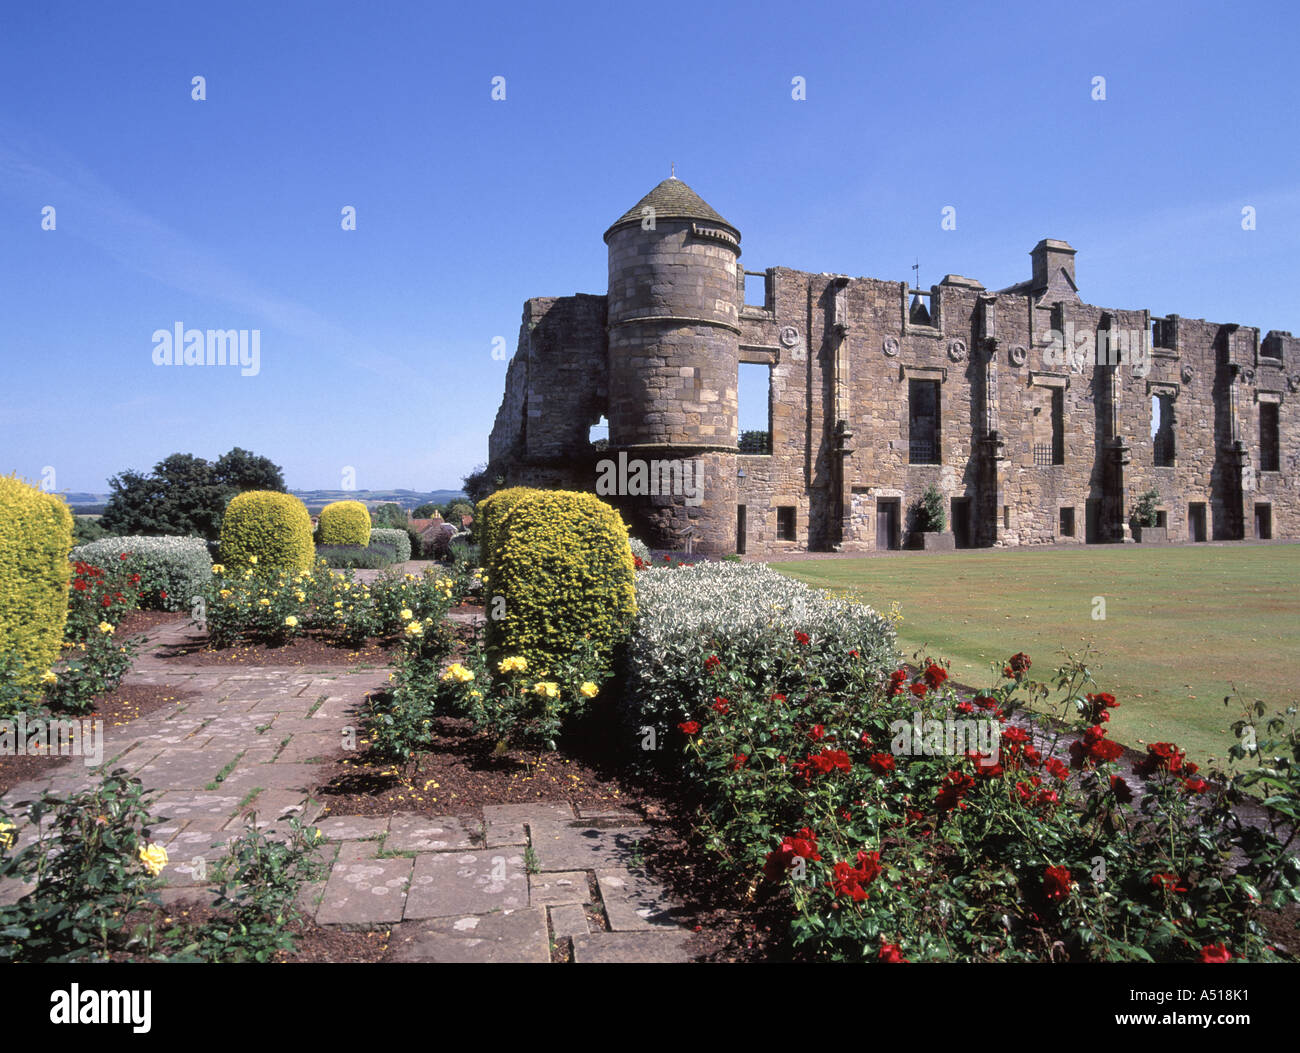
[(245, 743)]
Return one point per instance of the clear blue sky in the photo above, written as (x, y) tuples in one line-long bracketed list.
[(376, 344)]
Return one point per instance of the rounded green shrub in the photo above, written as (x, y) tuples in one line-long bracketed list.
[(35, 537), (558, 569), (267, 530), (398, 540), (345, 523)]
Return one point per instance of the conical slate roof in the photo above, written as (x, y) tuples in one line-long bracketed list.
[(672, 199)]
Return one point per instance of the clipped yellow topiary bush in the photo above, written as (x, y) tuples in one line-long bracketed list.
[(35, 538), (561, 564), (345, 523), (267, 530)]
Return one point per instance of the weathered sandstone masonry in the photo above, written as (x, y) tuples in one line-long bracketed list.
[(1040, 418)]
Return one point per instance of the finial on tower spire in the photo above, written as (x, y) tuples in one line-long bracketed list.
[(672, 174)]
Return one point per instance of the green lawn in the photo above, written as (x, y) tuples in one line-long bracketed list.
[(1183, 625)]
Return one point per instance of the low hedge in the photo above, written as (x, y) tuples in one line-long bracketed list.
[(174, 569), (357, 557), (397, 539)]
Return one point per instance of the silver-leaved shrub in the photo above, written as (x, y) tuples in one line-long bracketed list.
[(742, 617)]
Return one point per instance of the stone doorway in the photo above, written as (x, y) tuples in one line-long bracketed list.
[(888, 522), (1196, 521), (740, 530), (961, 533)]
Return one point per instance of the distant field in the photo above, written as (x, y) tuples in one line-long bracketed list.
[(1183, 624)]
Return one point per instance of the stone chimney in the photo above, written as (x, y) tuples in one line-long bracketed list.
[(1053, 277)]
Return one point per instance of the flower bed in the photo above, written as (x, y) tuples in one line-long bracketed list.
[(898, 822), (742, 618), (173, 570)]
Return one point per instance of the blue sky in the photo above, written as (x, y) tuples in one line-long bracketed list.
[(376, 344)]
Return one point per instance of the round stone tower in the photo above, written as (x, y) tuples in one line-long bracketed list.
[(674, 336)]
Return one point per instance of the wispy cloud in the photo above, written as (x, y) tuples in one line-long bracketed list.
[(113, 223)]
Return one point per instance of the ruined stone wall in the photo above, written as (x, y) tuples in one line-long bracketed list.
[(841, 353)]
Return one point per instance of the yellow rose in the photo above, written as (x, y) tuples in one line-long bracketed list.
[(6, 834), (154, 858), (105, 628), (264, 602), (517, 664), (406, 614), (589, 690), (291, 621), (546, 688), (300, 596), (217, 568), (252, 559), (414, 629), (48, 677), (225, 594)]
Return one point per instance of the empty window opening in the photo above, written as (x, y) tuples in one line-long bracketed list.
[(599, 434), (754, 393), (755, 289), (1162, 430), (1067, 522), (923, 421), (1268, 445), (785, 524), (919, 313)]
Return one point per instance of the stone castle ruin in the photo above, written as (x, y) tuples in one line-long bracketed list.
[(1038, 417)]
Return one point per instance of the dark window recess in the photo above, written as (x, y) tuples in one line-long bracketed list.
[(923, 421), (1268, 445), (1162, 438), (1264, 522), (755, 442), (1067, 522), (785, 529), (1042, 455), (1162, 333), (1058, 426)]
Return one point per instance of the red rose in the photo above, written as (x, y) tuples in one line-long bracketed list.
[(79, 585), (777, 698), (891, 952), (965, 707), (918, 689), (934, 676), (1121, 789), (721, 705), (881, 763), (105, 602), (865, 739), (954, 787), (1167, 881), (853, 654), (1161, 756), (802, 846), (1055, 766), (986, 702), (896, 681), (818, 732), (801, 639), (689, 727), (163, 594), (1215, 954), (711, 663), (1195, 785), (848, 880), (1098, 705), (122, 556), (1056, 883), (738, 761)]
